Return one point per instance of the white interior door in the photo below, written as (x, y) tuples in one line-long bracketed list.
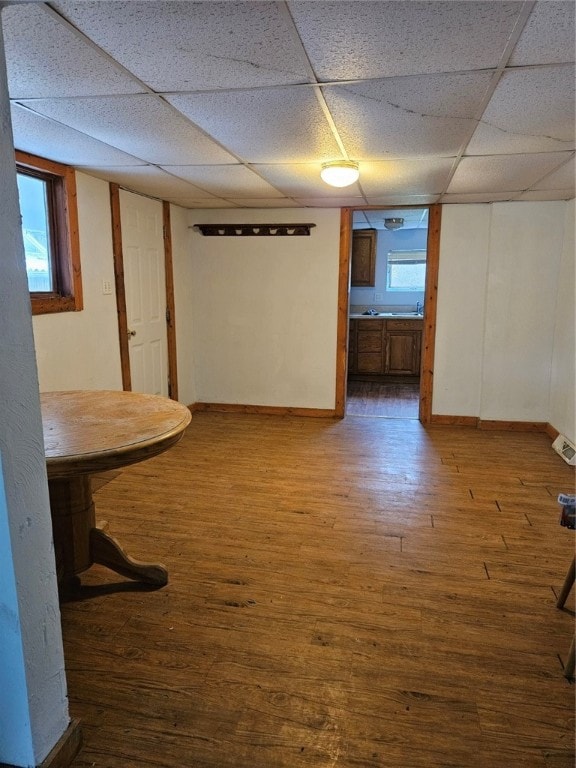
[(145, 287)]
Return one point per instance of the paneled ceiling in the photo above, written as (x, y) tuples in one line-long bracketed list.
[(237, 104)]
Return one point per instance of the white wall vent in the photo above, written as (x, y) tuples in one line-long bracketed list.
[(566, 449)]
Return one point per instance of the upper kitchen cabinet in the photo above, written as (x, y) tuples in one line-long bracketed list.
[(363, 273)]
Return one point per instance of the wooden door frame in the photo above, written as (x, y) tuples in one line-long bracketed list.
[(119, 280), (430, 304)]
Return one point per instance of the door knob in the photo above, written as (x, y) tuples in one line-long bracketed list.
[(131, 333)]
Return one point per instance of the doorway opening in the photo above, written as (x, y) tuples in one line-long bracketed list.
[(386, 311)]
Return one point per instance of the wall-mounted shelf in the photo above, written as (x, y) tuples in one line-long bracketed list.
[(257, 230)]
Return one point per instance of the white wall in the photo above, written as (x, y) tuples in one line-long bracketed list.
[(80, 350), (497, 297), (563, 389), (264, 310), (461, 310), (183, 267), (34, 710), (16, 742)]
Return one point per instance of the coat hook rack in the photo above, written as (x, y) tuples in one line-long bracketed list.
[(257, 230)]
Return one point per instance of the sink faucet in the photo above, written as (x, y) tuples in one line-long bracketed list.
[(419, 308)]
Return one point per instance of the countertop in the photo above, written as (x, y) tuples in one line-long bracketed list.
[(388, 315)]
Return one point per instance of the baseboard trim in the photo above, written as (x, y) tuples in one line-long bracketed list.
[(330, 413), (512, 426), (66, 748), (64, 751), (494, 424), (454, 421), (266, 410)]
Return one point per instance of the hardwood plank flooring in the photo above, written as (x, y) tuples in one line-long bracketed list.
[(397, 398), (363, 593)]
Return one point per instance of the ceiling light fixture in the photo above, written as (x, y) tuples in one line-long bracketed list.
[(394, 223), (340, 173)]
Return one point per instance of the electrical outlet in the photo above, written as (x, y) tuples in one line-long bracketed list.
[(106, 287), (378, 298)]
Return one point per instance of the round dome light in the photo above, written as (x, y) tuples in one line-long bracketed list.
[(340, 173)]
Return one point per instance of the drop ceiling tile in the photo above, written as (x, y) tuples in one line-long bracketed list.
[(143, 126), (548, 37), (402, 200), (479, 197), (259, 202), (547, 194), (391, 178), (42, 136), (203, 45), (269, 125), (44, 57), (407, 116), (303, 180), (503, 173), (350, 40), (225, 180), (203, 203), (149, 180), (561, 178), (515, 121), (329, 202)]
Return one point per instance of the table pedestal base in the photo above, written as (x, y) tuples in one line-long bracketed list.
[(107, 551), (79, 543)]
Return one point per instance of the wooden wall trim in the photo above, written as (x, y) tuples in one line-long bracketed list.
[(343, 301), (436, 420), (120, 289), (267, 410), (513, 426), (430, 302), (454, 421), (430, 305), (64, 751), (67, 237), (494, 424), (170, 303)]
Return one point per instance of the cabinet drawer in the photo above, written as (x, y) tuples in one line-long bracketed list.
[(404, 325), (370, 362), (370, 325), (369, 342)]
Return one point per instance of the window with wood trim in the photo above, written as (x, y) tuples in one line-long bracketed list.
[(406, 270), (47, 193)]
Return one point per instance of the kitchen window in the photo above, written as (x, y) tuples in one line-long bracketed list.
[(47, 193), (406, 270)]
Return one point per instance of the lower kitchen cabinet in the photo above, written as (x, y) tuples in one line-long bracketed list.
[(403, 344), (384, 347)]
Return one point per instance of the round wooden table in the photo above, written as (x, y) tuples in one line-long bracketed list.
[(86, 432)]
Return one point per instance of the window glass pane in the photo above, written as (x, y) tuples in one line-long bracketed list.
[(35, 231), (406, 277)]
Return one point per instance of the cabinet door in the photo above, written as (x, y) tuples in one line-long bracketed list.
[(363, 258), (403, 353)]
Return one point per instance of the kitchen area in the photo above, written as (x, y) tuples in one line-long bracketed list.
[(386, 312)]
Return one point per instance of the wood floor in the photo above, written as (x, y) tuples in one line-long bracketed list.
[(361, 593), (397, 398)]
